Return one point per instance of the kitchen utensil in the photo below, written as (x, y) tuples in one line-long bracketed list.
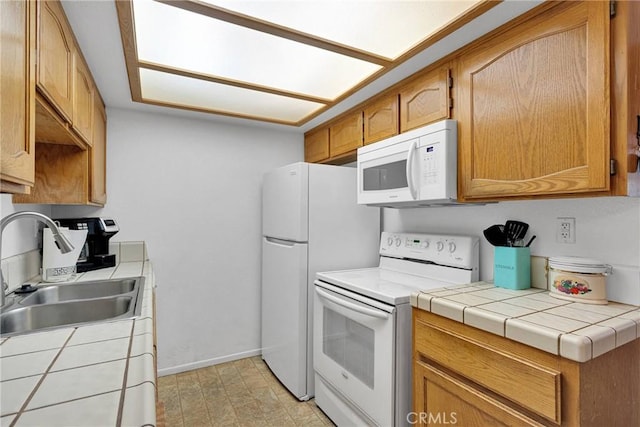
[(515, 231), (530, 241), (496, 235)]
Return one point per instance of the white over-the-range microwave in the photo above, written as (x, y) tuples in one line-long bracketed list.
[(413, 169)]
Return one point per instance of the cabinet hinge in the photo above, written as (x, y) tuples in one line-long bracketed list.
[(450, 103), (612, 8), (450, 82), (612, 167)]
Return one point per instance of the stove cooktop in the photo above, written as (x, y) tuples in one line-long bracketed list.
[(391, 287), (411, 262)]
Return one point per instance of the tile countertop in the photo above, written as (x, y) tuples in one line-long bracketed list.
[(94, 375), (576, 331)]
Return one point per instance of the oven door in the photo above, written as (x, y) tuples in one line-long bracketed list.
[(353, 345)]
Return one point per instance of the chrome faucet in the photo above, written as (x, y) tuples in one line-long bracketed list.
[(63, 244)]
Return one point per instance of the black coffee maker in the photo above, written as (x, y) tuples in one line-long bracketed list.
[(95, 253)]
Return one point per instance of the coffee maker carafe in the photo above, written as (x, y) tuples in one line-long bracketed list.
[(95, 253)]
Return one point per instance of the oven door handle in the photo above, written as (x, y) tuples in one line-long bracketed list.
[(351, 306)]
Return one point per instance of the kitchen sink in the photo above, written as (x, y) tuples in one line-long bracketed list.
[(81, 290), (72, 304), (37, 317)]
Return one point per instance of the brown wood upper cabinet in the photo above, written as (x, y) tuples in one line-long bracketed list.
[(316, 145), (381, 119), (55, 58), (98, 155), (346, 135), (82, 99), (69, 123), (426, 99), (17, 80), (68, 174), (533, 106)]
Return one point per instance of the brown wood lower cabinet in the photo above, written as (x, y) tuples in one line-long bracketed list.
[(444, 399), (465, 376)]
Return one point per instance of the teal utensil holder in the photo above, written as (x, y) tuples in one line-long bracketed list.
[(512, 267)]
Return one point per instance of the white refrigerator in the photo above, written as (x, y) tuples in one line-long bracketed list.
[(310, 222)]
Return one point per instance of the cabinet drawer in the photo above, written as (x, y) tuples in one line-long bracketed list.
[(531, 386), (441, 398)]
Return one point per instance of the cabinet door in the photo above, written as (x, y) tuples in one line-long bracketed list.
[(346, 135), (316, 146), (534, 106), (440, 399), (17, 104), (55, 57), (82, 100), (425, 99), (98, 155), (381, 119)]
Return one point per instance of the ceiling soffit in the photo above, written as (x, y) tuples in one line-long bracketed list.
[(201, 56)]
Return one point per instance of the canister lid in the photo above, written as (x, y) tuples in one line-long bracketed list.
[(579, 265)]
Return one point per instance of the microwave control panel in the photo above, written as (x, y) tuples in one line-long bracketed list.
[(430, 164)]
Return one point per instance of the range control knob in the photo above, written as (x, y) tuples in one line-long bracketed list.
[(389, 241), (424, 244), (439, 246), (398, 241), (452, 247)]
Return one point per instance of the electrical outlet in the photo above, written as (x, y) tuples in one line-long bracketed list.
[(566, 230)]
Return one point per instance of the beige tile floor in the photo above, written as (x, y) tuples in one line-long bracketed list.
[(239, 393)]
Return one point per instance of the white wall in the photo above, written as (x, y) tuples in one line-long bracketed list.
[(191, 190), (607, 229), (21, 235)]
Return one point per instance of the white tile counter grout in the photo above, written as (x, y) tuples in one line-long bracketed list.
[(93, 375), (576, 331)]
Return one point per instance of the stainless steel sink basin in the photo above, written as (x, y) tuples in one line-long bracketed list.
[(37, 317), (72, 304), (81, 290)]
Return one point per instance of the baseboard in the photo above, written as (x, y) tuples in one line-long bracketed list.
[(209, 362)]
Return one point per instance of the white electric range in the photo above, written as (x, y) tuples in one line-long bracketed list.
[(362, 325)]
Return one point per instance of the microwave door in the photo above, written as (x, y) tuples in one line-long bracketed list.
[(383, 176)]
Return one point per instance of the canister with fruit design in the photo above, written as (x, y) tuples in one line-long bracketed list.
[(578, 279)]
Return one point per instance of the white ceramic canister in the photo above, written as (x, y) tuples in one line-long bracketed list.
[(578, 279)]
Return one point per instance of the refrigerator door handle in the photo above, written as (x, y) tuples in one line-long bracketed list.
[(280, 242)]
